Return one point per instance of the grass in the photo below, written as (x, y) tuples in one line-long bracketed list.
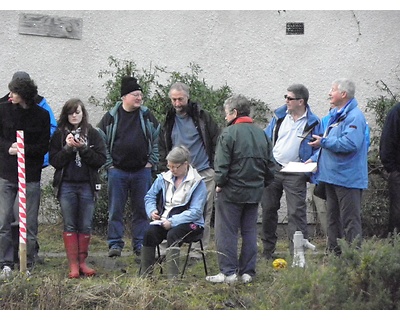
[(326, 283)]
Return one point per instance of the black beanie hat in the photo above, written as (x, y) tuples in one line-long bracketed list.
[(129, 84)]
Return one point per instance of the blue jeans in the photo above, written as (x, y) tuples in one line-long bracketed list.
[(77, 206), (122, 184), (8, 194)]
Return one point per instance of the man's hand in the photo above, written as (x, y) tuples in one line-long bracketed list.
[(317, 142), (13, 149)]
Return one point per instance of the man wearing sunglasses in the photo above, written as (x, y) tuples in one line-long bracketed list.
[(290, 130)]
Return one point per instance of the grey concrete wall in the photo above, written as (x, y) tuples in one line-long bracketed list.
[(248, 50)]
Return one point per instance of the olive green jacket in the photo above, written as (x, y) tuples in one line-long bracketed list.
[(242, 160)]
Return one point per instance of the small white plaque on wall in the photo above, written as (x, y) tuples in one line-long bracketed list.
[(50, 26)]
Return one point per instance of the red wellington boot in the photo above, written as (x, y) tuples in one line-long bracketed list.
[(84, 240), (71, 248)]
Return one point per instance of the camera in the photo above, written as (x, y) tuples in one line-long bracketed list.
[(76, 137)]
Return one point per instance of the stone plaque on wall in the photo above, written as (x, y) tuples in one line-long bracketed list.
[(50, 26)]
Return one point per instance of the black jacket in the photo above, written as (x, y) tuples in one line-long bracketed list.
[(205, 124), (94, 156), (35, 123), (389, 149)]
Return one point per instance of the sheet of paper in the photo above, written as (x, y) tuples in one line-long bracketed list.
[(157, 222), (300, 167)]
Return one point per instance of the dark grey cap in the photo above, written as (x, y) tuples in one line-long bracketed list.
[(21, 75)]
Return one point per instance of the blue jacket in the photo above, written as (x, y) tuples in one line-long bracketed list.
[(313, 126), (53, 125), (191, 211), (325, 121), (342, 158)]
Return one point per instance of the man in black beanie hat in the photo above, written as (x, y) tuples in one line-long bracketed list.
[(131, 134), (128, 85)]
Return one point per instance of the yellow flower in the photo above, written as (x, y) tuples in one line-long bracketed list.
[(279, 263)]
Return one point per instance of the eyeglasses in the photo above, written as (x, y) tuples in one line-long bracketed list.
[(291, 98), (174, 167), (136, 95)]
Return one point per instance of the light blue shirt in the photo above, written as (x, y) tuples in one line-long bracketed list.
[(185, 133)]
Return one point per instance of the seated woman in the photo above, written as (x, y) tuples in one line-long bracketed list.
[(175, 204)]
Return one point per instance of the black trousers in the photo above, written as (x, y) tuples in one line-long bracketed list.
[(185, 232)]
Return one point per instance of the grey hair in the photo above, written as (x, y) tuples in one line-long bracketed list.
[(179, 86), (346, 85), (179, 154), (300, 91), (239, 103)]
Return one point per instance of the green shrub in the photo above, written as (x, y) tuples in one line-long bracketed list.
[(155, 93)]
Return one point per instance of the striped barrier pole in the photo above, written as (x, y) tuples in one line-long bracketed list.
[(21, 201)]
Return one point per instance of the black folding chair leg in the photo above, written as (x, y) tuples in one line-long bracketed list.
[(204, 257), (186, 260), (159, 259)]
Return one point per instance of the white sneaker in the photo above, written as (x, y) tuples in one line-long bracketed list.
[(5, 273), (231, 279), (246, 278), (221, 278)]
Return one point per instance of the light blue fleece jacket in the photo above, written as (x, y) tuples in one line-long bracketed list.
[(342, 159), (196, 198)]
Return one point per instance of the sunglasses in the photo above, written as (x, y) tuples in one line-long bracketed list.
[(290, 98)]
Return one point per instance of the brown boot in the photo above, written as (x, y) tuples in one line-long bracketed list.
[(84, 240), (71, 248)]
